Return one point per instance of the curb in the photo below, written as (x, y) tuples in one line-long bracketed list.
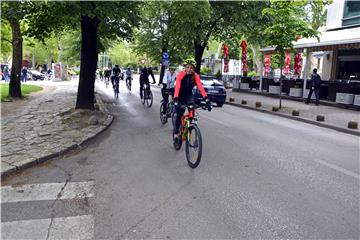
[(305, 120), (324, 103), (107, 123)]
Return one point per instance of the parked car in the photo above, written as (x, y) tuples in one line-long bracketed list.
[(35, 75), (214, 89)]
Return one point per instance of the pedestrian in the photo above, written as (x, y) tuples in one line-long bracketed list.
[(24, 74), (150, 72), (6, 73), (315, 87), (168, 86)]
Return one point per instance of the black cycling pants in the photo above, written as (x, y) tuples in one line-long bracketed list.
[(142, 83), (180, 111), (165, 92)]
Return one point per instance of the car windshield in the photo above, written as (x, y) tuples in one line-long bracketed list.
[(211, 82)]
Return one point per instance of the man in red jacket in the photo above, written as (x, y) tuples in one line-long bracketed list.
[(185, 82)]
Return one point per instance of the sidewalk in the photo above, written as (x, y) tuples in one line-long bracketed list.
[(335, 118), (46, 127)]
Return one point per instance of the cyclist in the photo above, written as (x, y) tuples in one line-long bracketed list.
[(168, 86), (185, 82), (115, 76), (144, 80), (107, 74), (128, 75)]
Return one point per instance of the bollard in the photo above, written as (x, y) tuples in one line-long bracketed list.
[(295, 113), (231, 99), (275, 109), (353, 124), (258, 104), (244, 102), (320, 118)]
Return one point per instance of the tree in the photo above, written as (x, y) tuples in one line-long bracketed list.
[(6, 42), (286, 25), (15, 13), (99, 22)]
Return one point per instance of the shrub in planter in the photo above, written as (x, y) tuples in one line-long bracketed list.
[(244, 102), (231, 99), (275, 109), (258, 104)]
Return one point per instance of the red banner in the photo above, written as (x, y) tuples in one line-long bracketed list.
[(226, 57), (287, 64), (297, 64), (267, 61), (245, 67)]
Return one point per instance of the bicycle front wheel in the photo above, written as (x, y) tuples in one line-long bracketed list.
[(193, 146), (149, 99), (143, 97), (163, 117)]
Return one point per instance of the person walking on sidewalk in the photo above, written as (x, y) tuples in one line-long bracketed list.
[(315, 87)]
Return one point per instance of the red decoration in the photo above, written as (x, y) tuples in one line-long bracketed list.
[(226, 57), (245, 67), (287, 64), (297, 64), (267, 64)]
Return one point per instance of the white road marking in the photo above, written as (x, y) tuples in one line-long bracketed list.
[(47, 191), (337, 168), (78, 227)]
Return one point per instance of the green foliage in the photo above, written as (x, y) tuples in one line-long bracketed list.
[(121, 53), (286, 24), (252, 74), (218, 75), (5, 41), (205, 70)]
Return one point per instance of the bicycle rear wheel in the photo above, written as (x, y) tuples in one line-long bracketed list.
[(149, 98), (163, 117), (193, 146)]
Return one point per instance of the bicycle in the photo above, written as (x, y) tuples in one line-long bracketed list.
[(190, 133), (147, 96), (116, 88), (128, 83), (169, 111)]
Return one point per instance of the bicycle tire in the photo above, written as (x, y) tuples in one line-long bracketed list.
[(143, 99), (149, 99), (193, 161), (163, 117)]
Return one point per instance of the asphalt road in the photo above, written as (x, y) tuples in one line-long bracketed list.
[(261, 176)]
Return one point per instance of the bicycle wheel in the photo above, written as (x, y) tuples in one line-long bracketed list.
[(163, 117), (149, 99), (143, 99), (193, 146)]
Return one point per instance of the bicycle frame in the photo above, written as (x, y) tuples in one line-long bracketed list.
[(186, 120)]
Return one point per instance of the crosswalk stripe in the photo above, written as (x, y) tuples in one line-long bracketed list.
[(47, 191), (78, 227)]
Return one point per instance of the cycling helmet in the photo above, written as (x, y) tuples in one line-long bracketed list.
[(190, 61)]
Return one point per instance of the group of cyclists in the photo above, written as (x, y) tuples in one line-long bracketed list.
[(178, 85), (115, 75)]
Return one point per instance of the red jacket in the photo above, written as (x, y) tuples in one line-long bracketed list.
[(181, 76)]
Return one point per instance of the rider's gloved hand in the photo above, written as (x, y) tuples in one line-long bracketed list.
[(208, 104)]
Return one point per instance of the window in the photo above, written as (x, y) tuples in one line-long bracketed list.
[(351, 13)]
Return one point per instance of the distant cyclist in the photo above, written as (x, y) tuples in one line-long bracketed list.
[(115, 78), (128, 76), (186, 80), (168, 86), (144, 80)]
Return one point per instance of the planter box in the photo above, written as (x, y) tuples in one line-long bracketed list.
[(244, 86), (274, 89), (295, 92), (306, 94), (345, 98), (357, 100)]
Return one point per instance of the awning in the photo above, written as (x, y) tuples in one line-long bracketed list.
[(329, 41)]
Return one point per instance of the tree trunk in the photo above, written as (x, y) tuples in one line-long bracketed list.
[(85, 95), (15, 85), (199, 51), (162, 70), (256, 59)]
